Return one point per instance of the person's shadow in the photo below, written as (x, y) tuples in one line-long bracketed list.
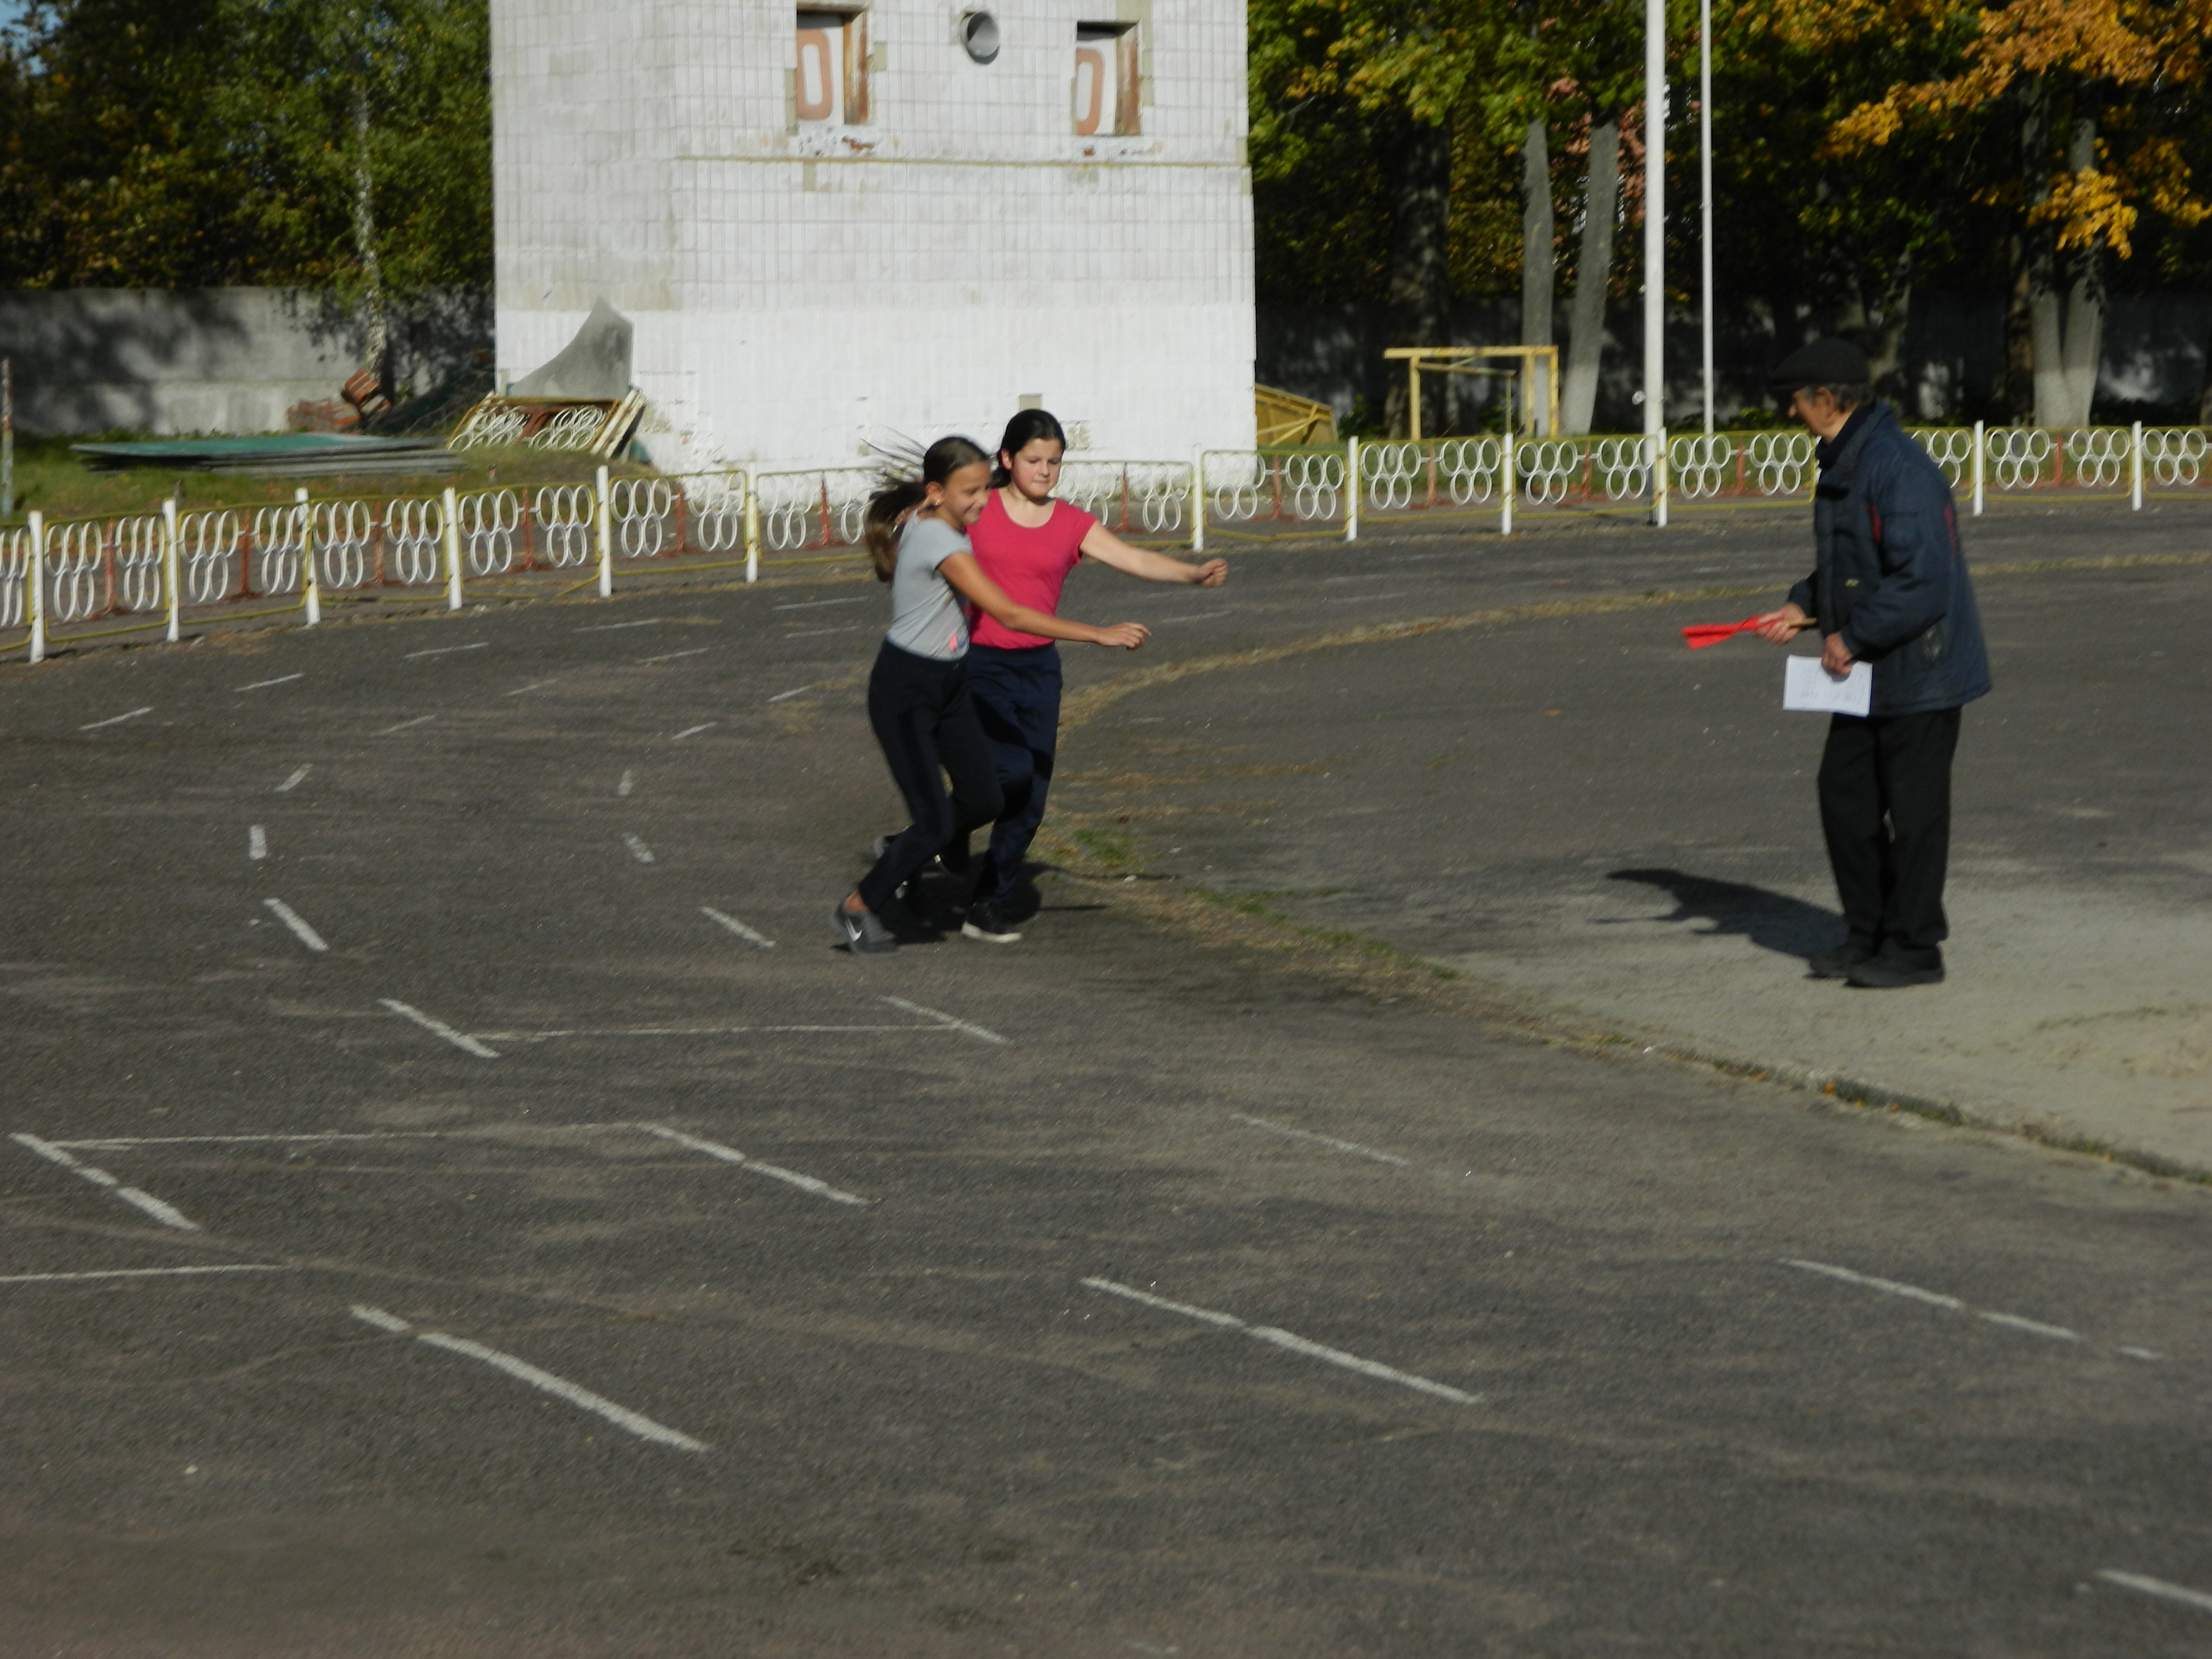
[(1773, 921)]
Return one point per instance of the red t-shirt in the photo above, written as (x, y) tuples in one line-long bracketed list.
[(1030, 565)]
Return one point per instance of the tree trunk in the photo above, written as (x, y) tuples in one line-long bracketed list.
[(2085, 305), (1417, 178), (1593, 268), (375, 312), (2046, 322), (1537, 260), (2019, 389)]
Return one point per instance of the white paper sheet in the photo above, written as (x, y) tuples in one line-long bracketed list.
[(1807, 685)]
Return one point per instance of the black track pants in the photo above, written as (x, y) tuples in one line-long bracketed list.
[(922, 716), (1886, 810)]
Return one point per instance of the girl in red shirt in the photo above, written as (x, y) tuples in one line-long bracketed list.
[(1027, 543)]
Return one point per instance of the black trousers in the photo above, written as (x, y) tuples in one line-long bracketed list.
[(924, 719), (1886, 810), (1017, 699)]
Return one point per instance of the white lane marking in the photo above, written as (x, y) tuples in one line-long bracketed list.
[(1293, 1343), (698, 651), (1936, 1299), (2138, 1353), (775, 1172), (534, 685), (610, 628), (292, 782), (817, 633), (816, 604), (738, 927), (628, 780), (257, 841), (145, 1272), (298, 923), (697, 1030), (560, 1388), (124, 1143), (262, 686), (786, 696), (461, 1040), (638, 850), (1351, 1146), (118, 719), (446, 650), (1197, 616), (694, 731), (420, 719), (948, 1022), (1360, 599), (168, 1215), (2135, 1581)]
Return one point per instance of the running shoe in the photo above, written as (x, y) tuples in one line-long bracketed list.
[(864, 932), (989, 923)]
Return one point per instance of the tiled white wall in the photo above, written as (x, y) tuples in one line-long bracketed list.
[(794, 290)]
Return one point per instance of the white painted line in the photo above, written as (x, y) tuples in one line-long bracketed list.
[(1358, 599), (610, 628), (816, 604), (1888, 1286), (738, 927), (628, 782), (1351, 1146), (459, 1040), (698, 651), (118, 719), (263, 685), (817, 633), (1936, 1299), (534, 685), (786, 696), (298, 923), (2033, 1326), (775, 1172), (2135, 1581), (420, 719), (694, 731), (124, 1143), (638, 850), (167, 1214), (1292, 1343), (145, 1272), (1197, 616), (692, 1031), (560, 1388), (257, 841), (446, 650), (948, 1022), (293, 782), (2139, 1353)]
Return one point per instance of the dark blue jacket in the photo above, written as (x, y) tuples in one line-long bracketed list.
[(1891, 574)]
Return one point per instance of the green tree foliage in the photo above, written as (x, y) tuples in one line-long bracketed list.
[(178, 143)]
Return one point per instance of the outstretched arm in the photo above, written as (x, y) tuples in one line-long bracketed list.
[(1110, 550), (968, 581)]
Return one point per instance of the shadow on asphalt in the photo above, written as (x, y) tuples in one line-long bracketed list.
[(1773, 921)]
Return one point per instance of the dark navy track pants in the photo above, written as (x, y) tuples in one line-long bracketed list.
[(1017, 695)]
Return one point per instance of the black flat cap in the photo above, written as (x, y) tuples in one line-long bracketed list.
[(1824, 363)]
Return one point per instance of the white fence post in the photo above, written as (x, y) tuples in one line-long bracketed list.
[(604, 518), (1197, 499), (452, 539), (1659, 480), (34, 588), (311, 583), (170, 585), (1352, 483), (752, 524), (1981, 444), (2135, 469), (1505, 486)]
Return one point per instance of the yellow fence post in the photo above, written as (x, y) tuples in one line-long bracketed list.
[(452, 539), (169, 562), (752, 524), (311, 581)]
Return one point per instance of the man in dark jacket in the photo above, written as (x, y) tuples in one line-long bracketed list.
[(1889, 587)]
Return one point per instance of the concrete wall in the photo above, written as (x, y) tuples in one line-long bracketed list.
[(798, 289), (2155, 350), (230, 360)]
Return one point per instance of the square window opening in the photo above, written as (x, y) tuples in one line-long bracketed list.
[(1106, 89), (829, 82)]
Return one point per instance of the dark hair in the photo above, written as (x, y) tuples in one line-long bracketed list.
[(879, 525), (1848, 394), (1024, 429)]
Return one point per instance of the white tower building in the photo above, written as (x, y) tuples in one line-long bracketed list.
[(907, 217)]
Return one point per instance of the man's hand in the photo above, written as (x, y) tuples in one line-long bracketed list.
[(1835, 657), (1780, 626)]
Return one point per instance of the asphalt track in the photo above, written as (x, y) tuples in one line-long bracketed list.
[(585, 1257)]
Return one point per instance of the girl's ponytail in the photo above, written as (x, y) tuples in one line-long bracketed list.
[(889, 507)]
